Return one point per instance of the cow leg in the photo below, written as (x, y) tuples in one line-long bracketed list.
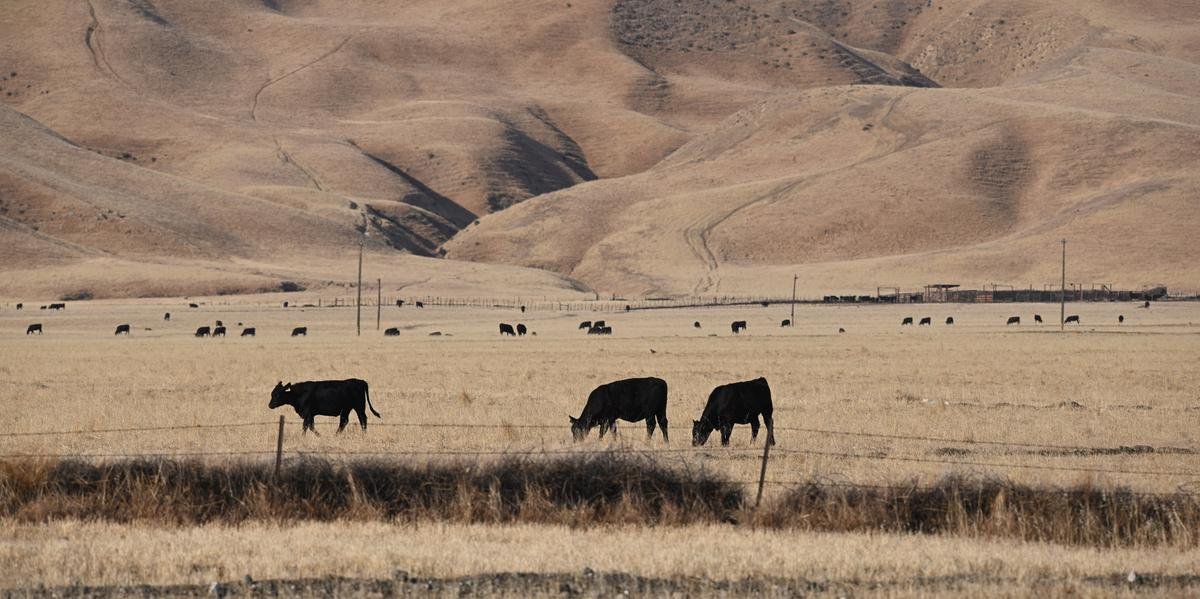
[(612, 427), (754, 430), (362, 418), (726, 432), (662, 425), (649, 427), (343, 421), (770, 428), (309, 424), (603, 429)]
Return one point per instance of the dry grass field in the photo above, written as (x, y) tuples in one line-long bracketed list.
[(1102, 404)]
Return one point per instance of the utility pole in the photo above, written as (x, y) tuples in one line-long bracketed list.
[(378, 302), (1062, 297), (794, 279), (362, 238)]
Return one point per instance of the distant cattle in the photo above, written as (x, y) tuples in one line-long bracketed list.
[(595, 330), (248, 332), (420, 304), (42, 308), (736, 403), (167, 317), (436, 334), (58, 306), (1013, 320), (632, 400), (34, 328), (122, 329), (1037, 319), (587, 324), (300, 332), (628, 307), (285, 304), (392, 332), (220, 324), (1145, 305), (522, 309), (926, 322), (203, 332), (949, 320), (193, 305), (766, 304), (521, 330), (786, 323), (20, 306), (599, 323), (218, 332), (1072, 318), (908, 320), (399, 303), (841, 330), (506, 329), (696, 324), (1120, 318), (737, 326), (325, 398)]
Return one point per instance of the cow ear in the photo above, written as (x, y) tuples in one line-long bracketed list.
[(572, 419)]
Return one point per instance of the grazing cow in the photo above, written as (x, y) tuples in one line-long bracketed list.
[(737, 326), (34, 328), (1072, 318), (735, 403), (926, 322), (436, 334), (392, 332), (506, 329), (22, 306), (628, 307), (522, 309), (203, 332), (300, 332), (218, 332), (521, 330), (1120, 318), (696, 325), (248, 332), (58, 306), (122, 329), (631, 400), (595, 330), (1145, 305), (399, 303), (420, 304), (167, 317), (285, 304), (42, 308), (908, 320), (949, 320), (1037, 319), (841, 330), (786, 323), (1013, 320), (599, 324), (587, 324), (605, 330), (193, 305), (325, 398)]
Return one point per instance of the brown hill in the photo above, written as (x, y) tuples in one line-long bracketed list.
[(218, 145)]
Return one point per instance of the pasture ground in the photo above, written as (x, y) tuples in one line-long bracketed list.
[(1101, 404)]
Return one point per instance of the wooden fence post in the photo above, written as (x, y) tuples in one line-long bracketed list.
[(279, 450), (762, 474)]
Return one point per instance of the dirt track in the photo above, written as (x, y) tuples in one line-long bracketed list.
[(594, 584)]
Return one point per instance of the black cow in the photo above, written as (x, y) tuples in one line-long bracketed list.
[(220, 324), (1145, 305), (122, 329), (587, 324), (599, 324), (595, 330), (193, 305), (22, 306), (167, 317), (521, 330), (737, 326), (841, 330), (786, 323), (1072, 318), (1120, 318), (926, 322), (696, 324), (399, 303), (392, 332), (42, 308), (248, 332), (735, 403), (300, 332), (285, 304), (58, 306), (420, 304), (631, 400), (506, 329), (766, 304), (949, 320), (1037, 319), (203, 332), (325, 398), (34, 328), (522, 309), (1013, 320), (218, 332), (908, 320)]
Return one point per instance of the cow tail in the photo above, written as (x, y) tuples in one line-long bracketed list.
[(367, 394)]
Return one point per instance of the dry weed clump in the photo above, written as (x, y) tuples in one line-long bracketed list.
[(989, 507), (572, 490)]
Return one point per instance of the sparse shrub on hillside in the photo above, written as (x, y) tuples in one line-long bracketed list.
[(76, 296), (290, 287)]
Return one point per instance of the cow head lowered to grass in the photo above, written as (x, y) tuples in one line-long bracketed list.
[(325, 398)]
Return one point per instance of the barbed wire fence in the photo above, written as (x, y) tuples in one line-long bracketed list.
[(1189, 488)]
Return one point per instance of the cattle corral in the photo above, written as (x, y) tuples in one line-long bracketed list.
[(878, 405)]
